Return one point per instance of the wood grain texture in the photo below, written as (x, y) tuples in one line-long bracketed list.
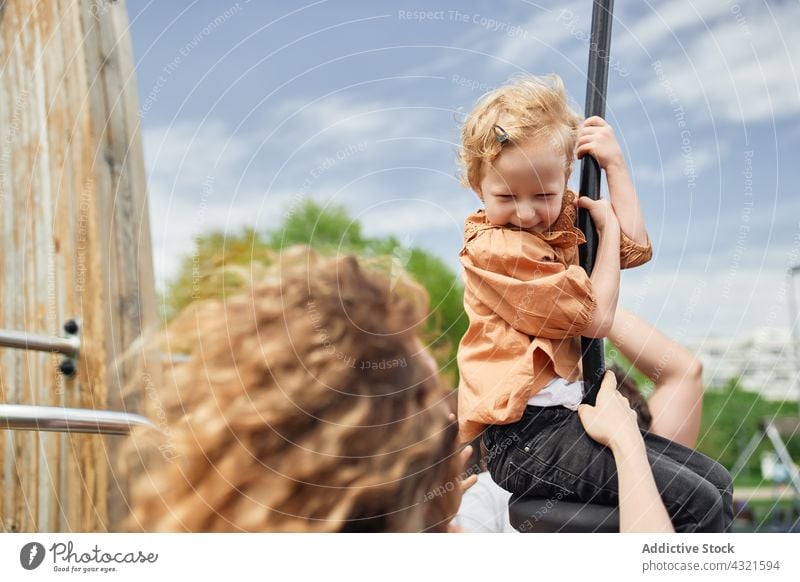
[(75, 243)]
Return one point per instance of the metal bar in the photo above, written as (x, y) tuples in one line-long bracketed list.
[(751, 447), (175, 358), (77, 420), (596, 90), (795, 338), (67, 346), (783, 455)]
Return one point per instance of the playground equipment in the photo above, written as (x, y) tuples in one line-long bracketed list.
[(75, 245), (528, 514), (69, 420), (774, 429), (68, 346), (58, 419), (793, 315)]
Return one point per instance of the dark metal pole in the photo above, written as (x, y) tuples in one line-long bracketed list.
[(596, 90)]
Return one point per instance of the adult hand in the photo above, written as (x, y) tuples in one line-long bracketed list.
[(463, 457), (464, 483), (469, 481), (611, 421)]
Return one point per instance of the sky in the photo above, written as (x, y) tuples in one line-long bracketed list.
[(248, 107)]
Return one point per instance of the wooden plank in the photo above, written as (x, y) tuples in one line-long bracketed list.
[(124, 223), (76, 243)]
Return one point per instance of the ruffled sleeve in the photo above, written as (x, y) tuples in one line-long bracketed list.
[(516, 275), (633, 254)]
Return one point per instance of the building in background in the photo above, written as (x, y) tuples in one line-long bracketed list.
[(763, 361)]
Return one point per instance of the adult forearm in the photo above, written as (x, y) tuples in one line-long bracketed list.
[(641, 508), (626, 203), (654, 354), (677, 403), (641, 343)]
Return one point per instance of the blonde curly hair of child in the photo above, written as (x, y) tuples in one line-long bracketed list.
[(526, 108), (304, 406)]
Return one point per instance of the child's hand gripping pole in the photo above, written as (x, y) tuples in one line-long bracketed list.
[(596, 89)]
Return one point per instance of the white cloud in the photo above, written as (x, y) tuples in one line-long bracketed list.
[(495, 42), (680, 167), (203, 178), (546, 31), (741, 69), (692, 303), (410, 215), (193, 186), (339, 120), (664, 23), (188, 152), (735, 63)]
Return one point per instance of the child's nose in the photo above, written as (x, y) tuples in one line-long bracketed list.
[(525, 213)]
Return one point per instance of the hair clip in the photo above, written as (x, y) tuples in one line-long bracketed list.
[(500, 134)]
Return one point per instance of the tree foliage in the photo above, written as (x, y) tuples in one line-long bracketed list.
[(223, 263), (732, 416)]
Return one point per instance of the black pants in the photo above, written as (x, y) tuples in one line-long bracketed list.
[(548, 454)]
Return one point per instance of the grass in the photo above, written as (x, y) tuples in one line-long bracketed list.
[(750, 480), (773, 515)]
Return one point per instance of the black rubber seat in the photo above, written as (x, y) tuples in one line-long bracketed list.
[(534, 515)]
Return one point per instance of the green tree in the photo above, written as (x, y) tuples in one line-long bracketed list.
[(217, 265), (731, 416), (223, 263), (327, 229)]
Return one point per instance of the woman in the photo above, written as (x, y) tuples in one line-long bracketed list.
[(308, 404)]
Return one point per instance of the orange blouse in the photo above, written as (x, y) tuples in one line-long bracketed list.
[(528, 303)]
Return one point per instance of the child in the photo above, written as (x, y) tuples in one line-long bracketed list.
[(529, 302)]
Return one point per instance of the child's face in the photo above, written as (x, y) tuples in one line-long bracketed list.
[(524, 187)]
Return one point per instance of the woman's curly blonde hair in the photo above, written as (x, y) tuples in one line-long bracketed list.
[(306, 405), (527, 108)]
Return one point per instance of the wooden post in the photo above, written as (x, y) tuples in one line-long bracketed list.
[(75, 244)]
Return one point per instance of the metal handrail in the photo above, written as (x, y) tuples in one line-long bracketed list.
[(20, 340), (72, 420)]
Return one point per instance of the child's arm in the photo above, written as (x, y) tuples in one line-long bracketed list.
[(514, 275), (605, 276), (598, 140)]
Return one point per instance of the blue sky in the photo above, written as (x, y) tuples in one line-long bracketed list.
[(246, 106)]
